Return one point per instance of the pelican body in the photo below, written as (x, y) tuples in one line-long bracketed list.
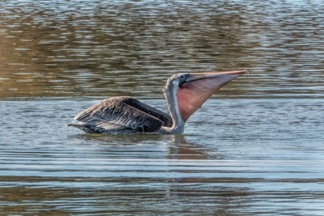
[(184, 94)]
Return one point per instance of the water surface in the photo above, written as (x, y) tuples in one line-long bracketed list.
[(237, 157)]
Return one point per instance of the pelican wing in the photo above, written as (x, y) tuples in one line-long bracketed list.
[(103, 127), (162, 116), (124, 112)]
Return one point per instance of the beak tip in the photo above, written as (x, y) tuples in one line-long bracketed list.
[(241, 72)]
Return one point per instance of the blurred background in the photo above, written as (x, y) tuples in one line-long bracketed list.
[(100, 49)]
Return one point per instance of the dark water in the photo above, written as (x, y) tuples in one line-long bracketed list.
[(256, 148)]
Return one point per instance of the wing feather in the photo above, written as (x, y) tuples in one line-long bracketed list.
[(162, 116), (124, 112)]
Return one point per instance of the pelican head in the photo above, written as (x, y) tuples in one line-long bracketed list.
[(191, 90)]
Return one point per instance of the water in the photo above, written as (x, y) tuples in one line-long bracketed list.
[(238, 156), (255, 148)]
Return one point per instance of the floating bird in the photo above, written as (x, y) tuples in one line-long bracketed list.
[(184, 94)]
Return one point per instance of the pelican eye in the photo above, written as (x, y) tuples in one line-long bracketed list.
[(182, 79)]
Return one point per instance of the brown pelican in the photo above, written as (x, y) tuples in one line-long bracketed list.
[(184, 94)]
